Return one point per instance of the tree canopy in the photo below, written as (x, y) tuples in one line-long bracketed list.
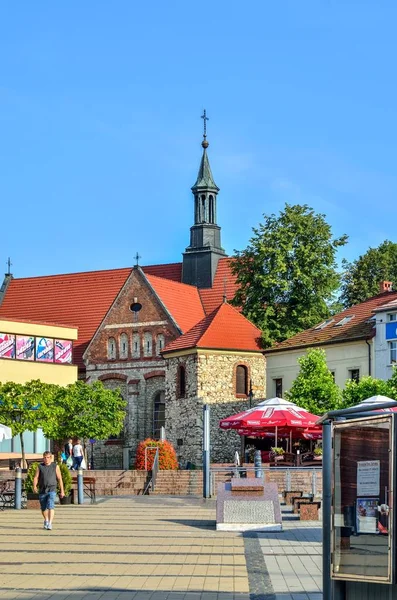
[(357, 391), (287, 276), (361, 277), (314, 387)]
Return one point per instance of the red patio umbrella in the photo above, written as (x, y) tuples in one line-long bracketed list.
[(277, 415)]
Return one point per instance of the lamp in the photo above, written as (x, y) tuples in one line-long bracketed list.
[(250, 394)]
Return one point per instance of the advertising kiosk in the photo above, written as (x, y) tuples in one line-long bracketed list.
[(359, 476)]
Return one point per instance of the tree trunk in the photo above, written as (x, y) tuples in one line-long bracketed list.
[(24, 464)]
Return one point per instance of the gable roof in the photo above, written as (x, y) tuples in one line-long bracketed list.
[(225, 328), (224, 281), (361, 326)]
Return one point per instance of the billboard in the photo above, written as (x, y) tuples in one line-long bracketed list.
[(25, 347), (7, 345), (44, 349), (63, 351)]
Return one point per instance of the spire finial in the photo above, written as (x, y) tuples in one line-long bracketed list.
[(204, 143), (137, 257), (9, 264)]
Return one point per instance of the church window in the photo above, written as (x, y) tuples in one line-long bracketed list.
[(203, 210), (111, 348), (136, 342), (123, 347), (159, 343), (181, 382), (148, 344), (241, 380), (211, 207), (158, 414)]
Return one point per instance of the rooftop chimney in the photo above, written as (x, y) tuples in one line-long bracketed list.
[(385, 286)]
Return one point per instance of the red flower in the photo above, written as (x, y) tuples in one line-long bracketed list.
[(167, 455)]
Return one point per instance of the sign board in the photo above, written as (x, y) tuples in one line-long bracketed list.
[(367, 515), (368, 477), (391, 331)]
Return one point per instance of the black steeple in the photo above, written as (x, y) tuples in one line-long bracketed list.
[(201, 257)]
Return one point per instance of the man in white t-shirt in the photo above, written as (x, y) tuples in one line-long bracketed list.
[(77, 455)]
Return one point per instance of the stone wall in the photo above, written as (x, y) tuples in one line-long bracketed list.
[(210, 379)]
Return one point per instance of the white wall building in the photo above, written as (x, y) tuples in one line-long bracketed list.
[(385, 341)]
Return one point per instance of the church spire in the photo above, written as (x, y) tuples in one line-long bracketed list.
[(201, 257)]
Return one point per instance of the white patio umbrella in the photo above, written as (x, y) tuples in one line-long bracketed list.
[(5, 433), (374, 400)]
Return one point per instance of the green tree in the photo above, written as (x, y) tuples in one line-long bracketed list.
[(314, 387), (357, 391), (23, 407), (287, 276), (84, 410), (392, 385), (361, 277)]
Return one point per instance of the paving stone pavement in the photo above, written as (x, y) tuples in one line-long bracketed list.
[(152, 548)]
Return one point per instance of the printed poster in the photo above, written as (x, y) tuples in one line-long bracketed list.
[(63, 351), (367, 515), (7, 345), (44, 349), (368, 477), (25, 347)]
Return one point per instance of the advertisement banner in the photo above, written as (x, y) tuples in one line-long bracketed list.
[(25, 347), (367, 515), (44, 349), (63, 351), (7, 345)]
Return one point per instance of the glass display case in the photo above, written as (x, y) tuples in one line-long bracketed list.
[(362, 515)]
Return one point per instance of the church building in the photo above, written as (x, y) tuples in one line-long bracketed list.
[(165, 335)]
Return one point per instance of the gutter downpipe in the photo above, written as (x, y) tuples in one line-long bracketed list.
[(369, 358)]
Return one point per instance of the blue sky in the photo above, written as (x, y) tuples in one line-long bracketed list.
[(100, 125)]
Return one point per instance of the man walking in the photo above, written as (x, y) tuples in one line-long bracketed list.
[(46, 477)]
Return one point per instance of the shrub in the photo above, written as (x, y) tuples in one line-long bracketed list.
[(167, 455), (30, 476)]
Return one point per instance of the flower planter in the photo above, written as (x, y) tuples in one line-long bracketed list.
[(33, 502), (67, 499)]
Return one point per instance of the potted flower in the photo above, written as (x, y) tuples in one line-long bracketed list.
[(318, 453), (277, 453)]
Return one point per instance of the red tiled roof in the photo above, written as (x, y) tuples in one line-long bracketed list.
[(224, 328), (360, 327), (224, 279), (182, 301), (171, 271)]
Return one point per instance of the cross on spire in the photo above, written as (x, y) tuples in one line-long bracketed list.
[(9, 264), (137, 257), (205, 119)]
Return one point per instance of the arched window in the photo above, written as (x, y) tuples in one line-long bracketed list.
[(158, 414), (159, 343), (136, 345), (181, 382), (203, 210), (111, 348), (147, 350), (123, 346), (241, 380), (211, 209)]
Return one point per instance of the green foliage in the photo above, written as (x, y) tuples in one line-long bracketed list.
[(355, 392), (66, 478), (30, 476), (362, 277), (86, 411), (318, 451), (287, 275), (277, 450), (314, 388)]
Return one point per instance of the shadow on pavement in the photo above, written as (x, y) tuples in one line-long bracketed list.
[(198, 523)]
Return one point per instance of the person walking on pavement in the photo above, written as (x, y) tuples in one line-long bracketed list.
[(78, 455), (68, 451), (46, 477)]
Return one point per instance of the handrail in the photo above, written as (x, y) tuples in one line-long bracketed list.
[(155, 469)]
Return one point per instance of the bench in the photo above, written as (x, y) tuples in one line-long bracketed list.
[(309, 511), (7, 494), (88, 487)]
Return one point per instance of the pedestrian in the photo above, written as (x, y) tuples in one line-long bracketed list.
[(46, 477), (78, 455), (68, 452)]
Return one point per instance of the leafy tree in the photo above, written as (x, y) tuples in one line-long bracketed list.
[(357, 391), (362, 277), (84, 410), (287, 275), (392, 385), (23, 407), (314, 387)]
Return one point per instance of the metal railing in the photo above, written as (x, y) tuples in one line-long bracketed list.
[(152, 478), (266, 471)]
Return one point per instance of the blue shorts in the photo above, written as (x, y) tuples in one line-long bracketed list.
[(47, 501)]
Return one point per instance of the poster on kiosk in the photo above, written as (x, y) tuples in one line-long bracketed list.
[(363, 513)]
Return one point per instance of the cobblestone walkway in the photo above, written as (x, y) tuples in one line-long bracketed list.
[(151, 548)]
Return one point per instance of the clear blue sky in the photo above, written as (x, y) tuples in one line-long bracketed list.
[(100, 127)]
